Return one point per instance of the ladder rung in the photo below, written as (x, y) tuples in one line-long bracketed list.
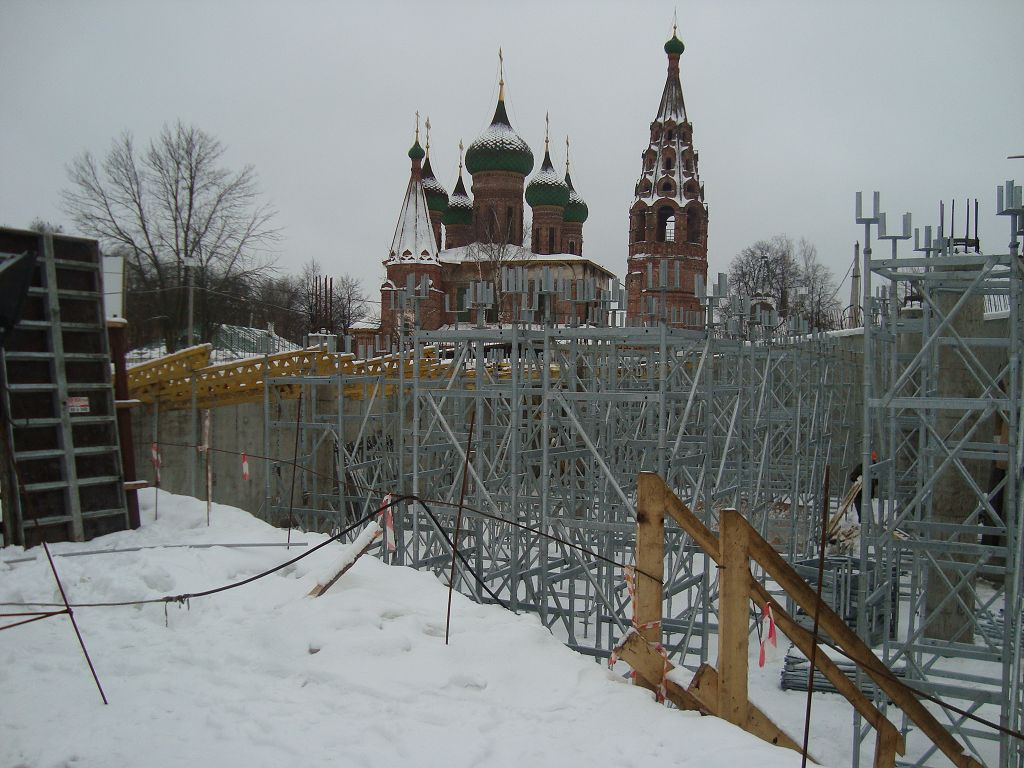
[(64, 293), (65, 326), (51, 485), (102, 480), (85, 266), (72, 385), (53, 453), (15, 355), (35, 387)]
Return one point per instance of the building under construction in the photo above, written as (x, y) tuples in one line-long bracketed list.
[(520, 444)]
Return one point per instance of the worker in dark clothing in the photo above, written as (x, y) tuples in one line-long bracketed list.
[(858, 471)]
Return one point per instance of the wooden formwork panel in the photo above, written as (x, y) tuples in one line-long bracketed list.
[(59, 416)]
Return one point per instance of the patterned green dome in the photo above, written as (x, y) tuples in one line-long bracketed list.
[(416, 151), (460, 207), (576, 210), (675, 45), (437, 196), (499, 148), (547, 187)]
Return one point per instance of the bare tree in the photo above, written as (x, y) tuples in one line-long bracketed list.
[(173, 208), (789, 277), (39, 224), (816, 291), (350, 303), (335, 303), (766, 270)]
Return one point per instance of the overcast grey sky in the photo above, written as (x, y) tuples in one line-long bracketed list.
[(795, 106)]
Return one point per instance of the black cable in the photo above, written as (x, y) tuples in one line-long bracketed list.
[(206, 593), (459, 555), (437, 502)]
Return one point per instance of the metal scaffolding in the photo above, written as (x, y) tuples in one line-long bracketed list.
[(942, 414), (737, 414), (545, 428)]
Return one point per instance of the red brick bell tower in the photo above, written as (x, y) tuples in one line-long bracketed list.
[(668, 232)]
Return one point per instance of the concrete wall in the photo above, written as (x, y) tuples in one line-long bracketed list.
[(234, 428)]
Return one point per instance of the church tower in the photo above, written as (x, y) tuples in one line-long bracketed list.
[(413, 252), (436, 194), (547, 194), (458, 218), (668, 218), (576, 213), (499, 162)]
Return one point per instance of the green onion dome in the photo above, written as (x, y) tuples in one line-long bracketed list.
[(675, 45), (499, 148), (576, 209), (547, 187), (416, 151), (437, 195), (460, 207)]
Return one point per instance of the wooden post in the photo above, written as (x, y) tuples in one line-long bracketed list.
[(733, 618), (886, 744), (650, 559)]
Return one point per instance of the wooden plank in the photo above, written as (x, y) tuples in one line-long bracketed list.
[(649, 665), (650, 559), (702, 694), (885, 749), (733, 618), (857, 650), (800, 637), (706, 687), (320, 589)]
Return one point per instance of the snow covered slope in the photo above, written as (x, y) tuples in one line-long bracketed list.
[(263, 675)]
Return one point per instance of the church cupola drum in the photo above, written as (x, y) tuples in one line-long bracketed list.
[(668, 218)]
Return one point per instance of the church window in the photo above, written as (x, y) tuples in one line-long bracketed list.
[(572, 247), (666, 224), (670, 136), (551, 240), (667, 187), (667, 163), (536, 240)]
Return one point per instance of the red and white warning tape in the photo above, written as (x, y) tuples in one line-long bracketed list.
[(389, 523), (155, 458), (771, 636), (629, 576), (245, 466)]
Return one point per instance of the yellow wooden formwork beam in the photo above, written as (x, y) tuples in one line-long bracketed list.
[(242, 381), (147, 379)]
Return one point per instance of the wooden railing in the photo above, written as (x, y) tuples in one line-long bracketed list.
[(723, 691)]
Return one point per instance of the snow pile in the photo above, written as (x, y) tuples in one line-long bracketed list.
[(264, 675)]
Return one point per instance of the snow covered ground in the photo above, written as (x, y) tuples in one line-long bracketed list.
[(264, 675)]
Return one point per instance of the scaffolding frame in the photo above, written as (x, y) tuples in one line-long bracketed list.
[(942, 402), (565, 418)]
